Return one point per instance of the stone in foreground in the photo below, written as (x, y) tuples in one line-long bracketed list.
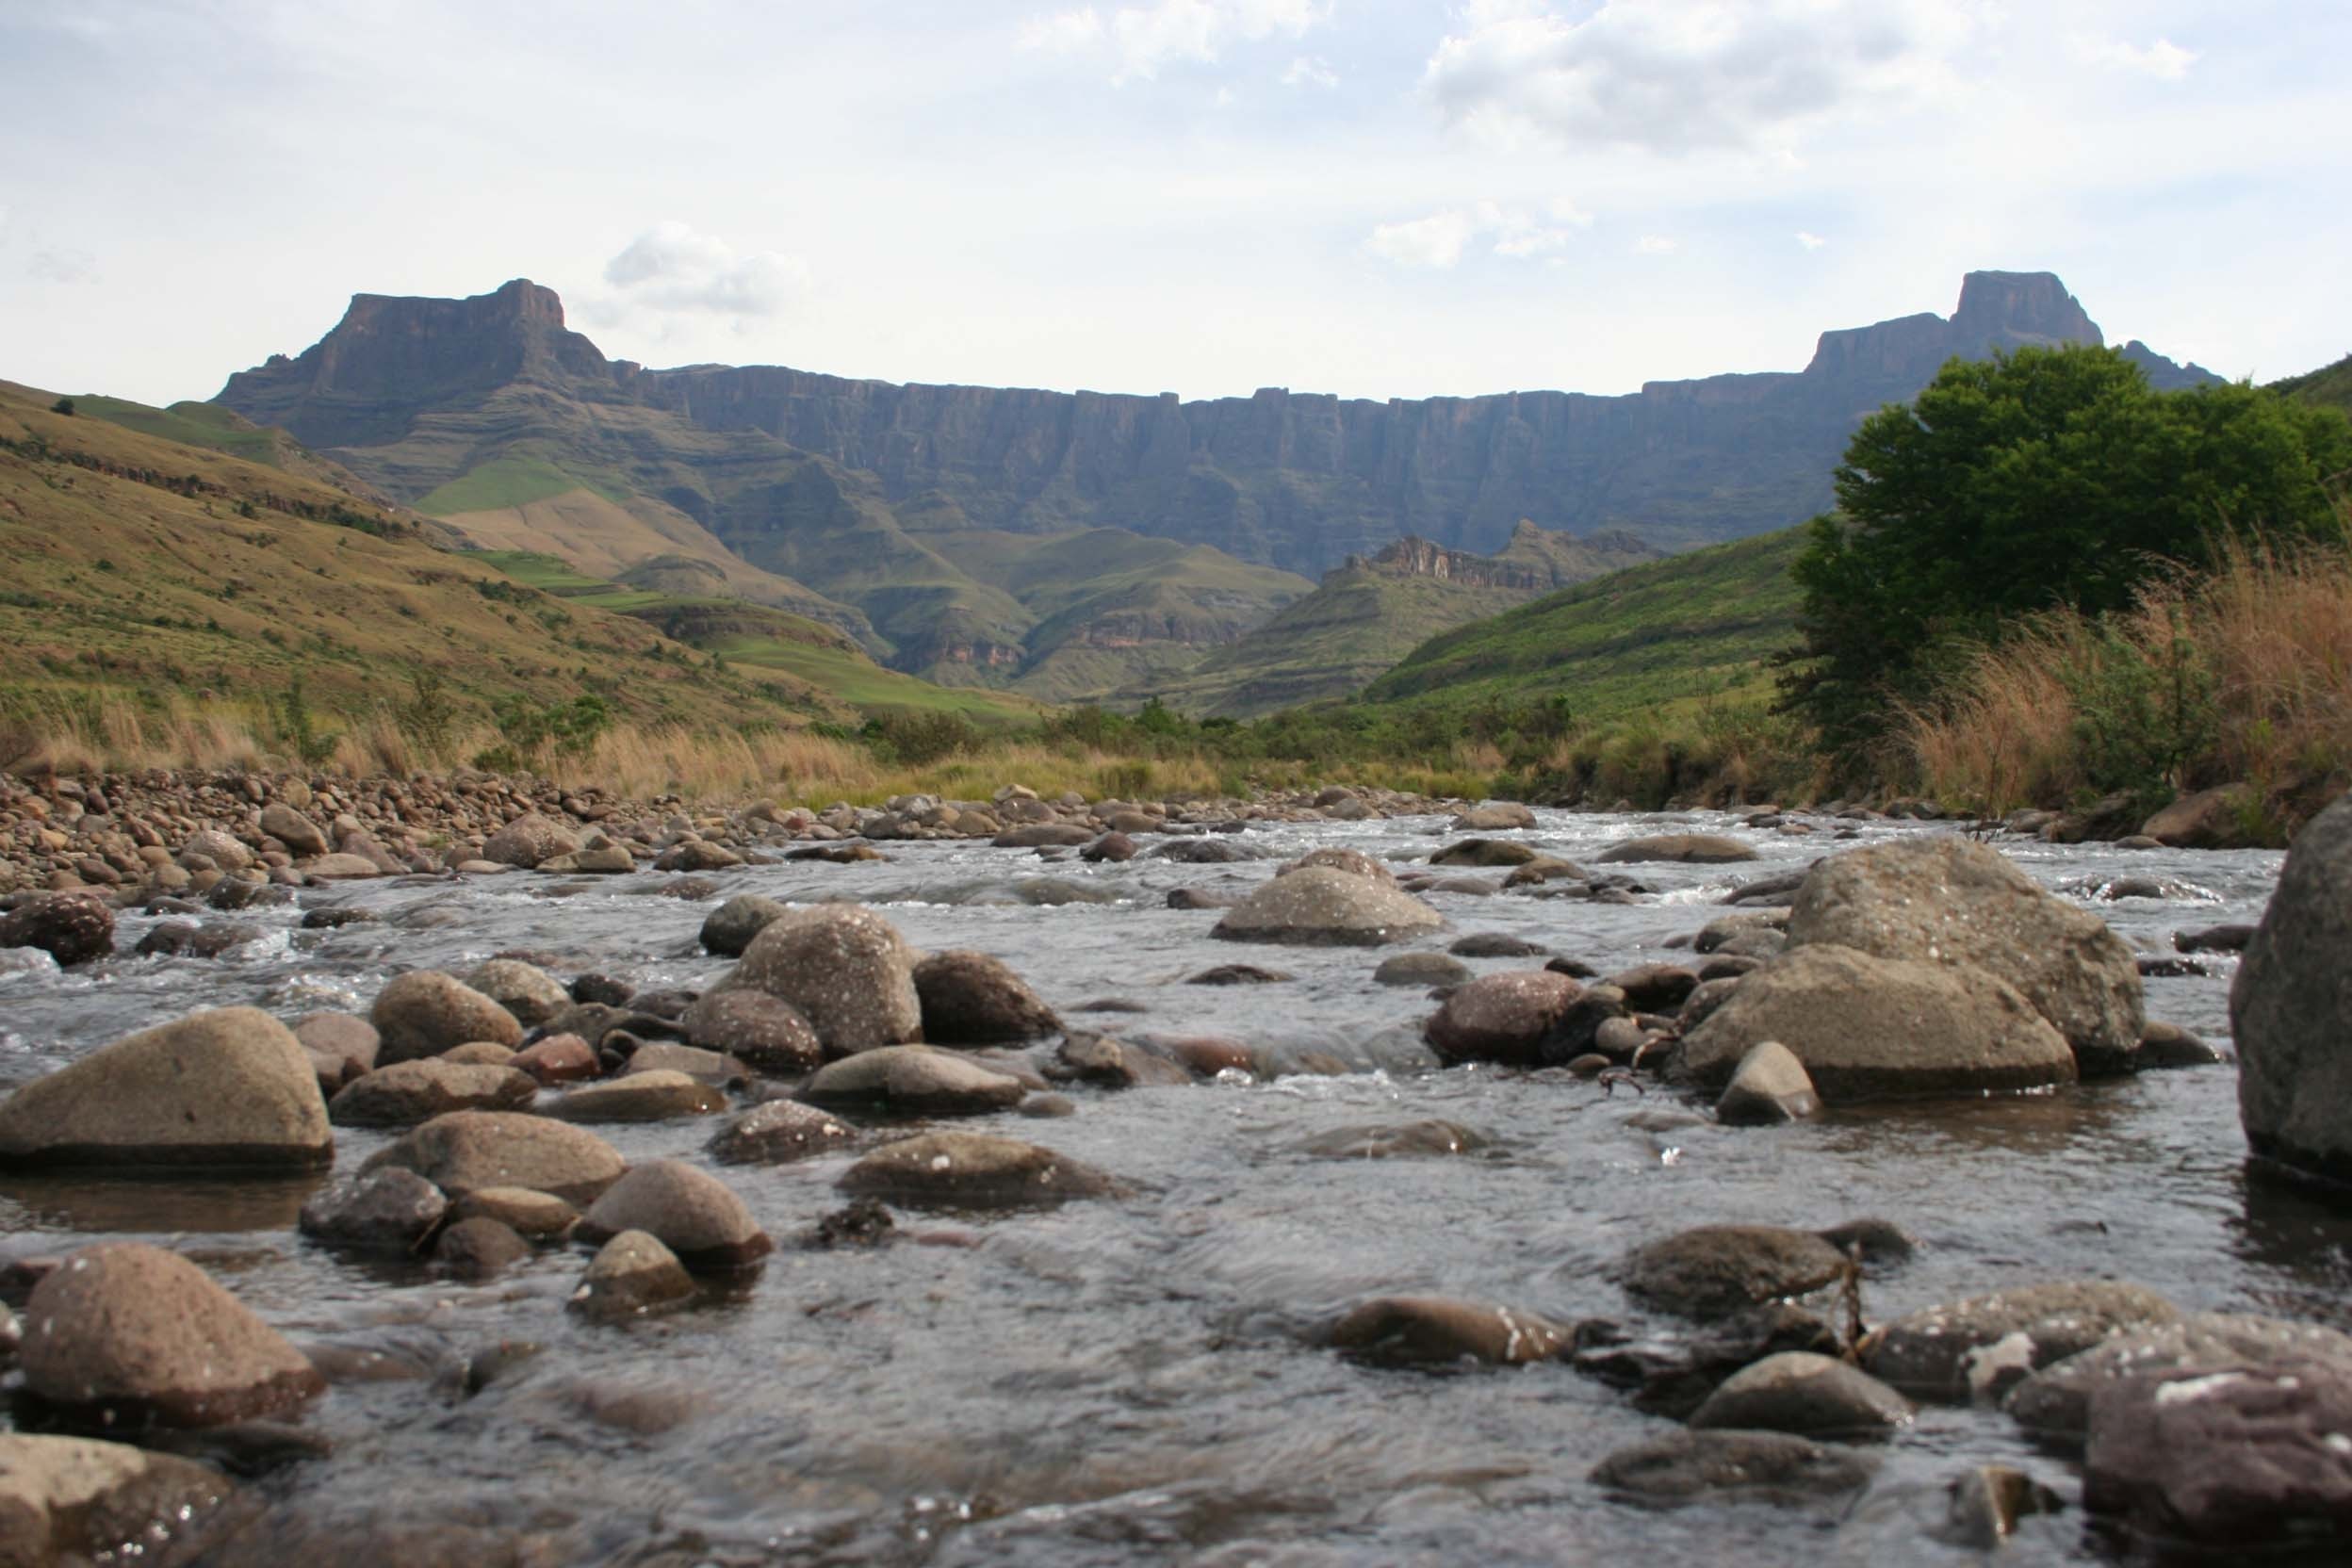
[(125, 1336), (630, 1276), (2233, 1461), (973, 1171), (1982, 1346), (466, 1150), (1773, 1467), (2054, 1404), (1716, 1270), (1812, 1395), (225, 1089), (425, 1012), (1438, 1330), (2291, 1008), (847, 970), (694, 1213), (1323, 905), (66, 1501), (1769, 1086)]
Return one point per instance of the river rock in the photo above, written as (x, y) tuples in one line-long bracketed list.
[(425, 1012), (1396, 1140), (181, 938), (1113, 846), (2215, 939), (342, 1046), (1769, 1086), (1774, 1467), (1979, 1348), (2054, 1404), (69, 1501), (1437, 1330), (913, 1080), (1989, 1501), (767, 1033), (2166, 1045), (528, 841), (1501, 1017), (2291, 1008), (1354, 861), (406, 1093), (1673, 1377), (728, 929), (125, 1335), (531, 994), (972, 999), (1324, 904), (655, 1096), (2233, 1461), (224, 1089), (1497, 944), (694, 1213), (1044, 835), (557, 1059), (779, 1131), (715, 1068), (1717, 1271), (1950, 900), (1421, 968), (1114, 1064), (847, 970), (2208, 819), (385, 1211), (533, 1216), (1484, 852), (466, 1150), (1866, 1027), (1812, 1395), (1704, 849), (478, 1248), (70, 928), (630, 1276), (973, 1170), (1655, 987), (1494, 816), (297, 832)]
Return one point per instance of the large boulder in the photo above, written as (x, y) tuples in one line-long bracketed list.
[(1950, 900), (728, 929), (2054, 1404), (913, 1080), (122, 1336), (694, 1213), (71, 927), (1325, 905), (66, 1501), (1808, 1394), (297, 832), (2209, 819), (765, 1033), (845, 968), (2291, 1008), (528, 841), (1698, 849), (1715, 1271), (229, 1088), (973, 1170), (425, 1012), (1501, 1017), (1866, 1027), (467, 1150), (972, 999)]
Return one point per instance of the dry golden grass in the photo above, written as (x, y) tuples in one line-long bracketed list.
[(2272, 630)]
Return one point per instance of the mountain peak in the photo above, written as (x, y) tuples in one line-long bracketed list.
[(1996, 310)]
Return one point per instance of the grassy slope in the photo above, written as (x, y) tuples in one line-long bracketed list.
[(507, 481), (2330, 385), (1690, 627), (763, 642)]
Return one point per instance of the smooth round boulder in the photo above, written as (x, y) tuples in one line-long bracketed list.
[(383, 1211), (222, 1090), (1810, 1395), (528, 841), (847, 970), (533, 1216), (1716, 1270), (1773, 1467), (1697, 849), (1950, 900), (406, 1093), (763, 1031), (2291, 1010), (1321, 904), (1485, 852), (1497, 944), (1982, 1346), (1437, 1330), (1354, 861), (1769, 1086), (779, 1130), (694, 1213), (1421, 968), (557, 1059), (123, 1336), (466, 1150), (728, 929), (297, 832), (655, 1096), (1866, 1027), (973, 1170), (342, 1046), (68, 1501), (973, 999), (1501, 1017), (2054, 1405), (425, 1012), (630, 1276), (480, 1247), (527, 991), (70, 928), (1494, 816), (913, 1080)]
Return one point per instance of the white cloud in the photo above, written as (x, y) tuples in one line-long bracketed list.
[(2163, 59), (1309, 70), (1143, 40), (1655, 245), (1810, 241), (1673, 75), (671, 266), (1440, 239)]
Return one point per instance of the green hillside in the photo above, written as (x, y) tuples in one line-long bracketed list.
[(2330, 385), (1693, 625)]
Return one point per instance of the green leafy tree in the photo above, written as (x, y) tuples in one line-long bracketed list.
[(2028, 481)]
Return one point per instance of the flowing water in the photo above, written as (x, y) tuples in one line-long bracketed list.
[(1135, 1380)]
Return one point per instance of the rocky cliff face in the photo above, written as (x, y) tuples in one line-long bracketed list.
[(1300, 481)]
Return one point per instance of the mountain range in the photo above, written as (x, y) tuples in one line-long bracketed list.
[(1074, 544)]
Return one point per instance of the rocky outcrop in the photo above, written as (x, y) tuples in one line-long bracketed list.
[(2291, 1008)]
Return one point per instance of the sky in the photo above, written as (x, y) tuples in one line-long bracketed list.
[(1202, 196)]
